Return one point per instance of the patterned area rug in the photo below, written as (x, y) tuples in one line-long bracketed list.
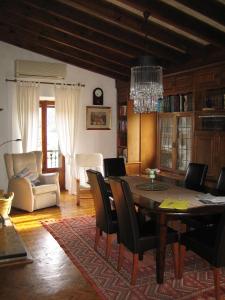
[(76, 237)]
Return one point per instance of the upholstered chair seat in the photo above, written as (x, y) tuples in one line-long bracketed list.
[(32, 189), (209, 243)]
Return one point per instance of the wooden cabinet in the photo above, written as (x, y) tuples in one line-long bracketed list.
[(122, 121), (139, 138), (133, 168), (175, 131), (192, 129)]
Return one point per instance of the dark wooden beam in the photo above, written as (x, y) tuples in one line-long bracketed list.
[(73, 41), (73, 21), (125, 19), (210, 8), (11, 36), (179, 19), (24, 33), (61, 37)]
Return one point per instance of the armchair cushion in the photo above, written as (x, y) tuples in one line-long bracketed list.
[(26, 173), (45, 188)]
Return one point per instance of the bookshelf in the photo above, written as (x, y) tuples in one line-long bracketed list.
[(176, 103), (194, 105)]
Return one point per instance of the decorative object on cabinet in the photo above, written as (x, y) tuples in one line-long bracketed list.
[(213, 99), (97, 96), (98, 118)]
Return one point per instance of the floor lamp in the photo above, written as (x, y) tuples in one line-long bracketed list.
[(6, 142)]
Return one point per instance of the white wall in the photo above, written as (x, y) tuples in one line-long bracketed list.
[(103, 141)]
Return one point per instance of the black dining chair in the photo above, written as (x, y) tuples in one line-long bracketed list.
[(106, 218), (135, 236), (200, 221), (114, 167), (195, 176), (209, 243), (220, 186)]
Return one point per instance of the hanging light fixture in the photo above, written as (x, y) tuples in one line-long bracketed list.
[(146, 85)]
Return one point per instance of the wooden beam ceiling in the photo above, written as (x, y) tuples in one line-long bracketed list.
[(106, 36), (210, 8), (179, 19)]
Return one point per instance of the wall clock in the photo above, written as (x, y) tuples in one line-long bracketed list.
[(98, 96)]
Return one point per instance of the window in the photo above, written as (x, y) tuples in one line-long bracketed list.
[(48, 139)]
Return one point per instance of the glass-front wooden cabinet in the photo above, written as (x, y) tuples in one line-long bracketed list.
[(175, 131)]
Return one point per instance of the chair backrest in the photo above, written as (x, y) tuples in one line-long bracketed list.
[(219, 249), (126, 214), (220, 186), (101, 200), (114, 167), (85, 161), (16, 162), (195, 176)]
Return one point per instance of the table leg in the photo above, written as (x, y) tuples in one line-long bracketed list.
[(161, 247)]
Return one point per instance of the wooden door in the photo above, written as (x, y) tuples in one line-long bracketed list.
[(184, 139), (166, 141)]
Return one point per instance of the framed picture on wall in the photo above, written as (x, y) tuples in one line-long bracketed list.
[(98, 118)]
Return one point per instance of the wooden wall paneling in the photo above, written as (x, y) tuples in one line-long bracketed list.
[(220, 155), (205, 148), (169, 85), (184, 83), (133, 134), (148, 143)]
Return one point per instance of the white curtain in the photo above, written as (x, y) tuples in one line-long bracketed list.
[(67, 110), (27, 110)]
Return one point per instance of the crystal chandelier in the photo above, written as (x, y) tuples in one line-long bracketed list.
[(146, 85)]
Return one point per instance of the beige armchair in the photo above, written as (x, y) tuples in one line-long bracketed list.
[(27, 196)]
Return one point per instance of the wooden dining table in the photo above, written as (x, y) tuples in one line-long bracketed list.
[(151, 199)]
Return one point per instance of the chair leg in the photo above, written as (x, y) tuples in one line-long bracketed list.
[(216, 274), (120, 257), (182, 256), (108, 245), (140, 256), (78, 192), (176, 258), (97, 237), (135, 269)]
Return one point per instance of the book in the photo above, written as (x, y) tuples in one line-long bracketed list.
[(211, 199), (172, 203)]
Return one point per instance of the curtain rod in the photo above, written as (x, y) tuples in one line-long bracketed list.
[(46, 82)]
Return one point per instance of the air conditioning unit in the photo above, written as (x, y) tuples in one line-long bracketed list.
[(29, 68)]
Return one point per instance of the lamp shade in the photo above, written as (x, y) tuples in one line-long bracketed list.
[(146, 87)]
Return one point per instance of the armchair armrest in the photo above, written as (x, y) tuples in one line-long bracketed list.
[(23, 194), (49, 178)]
